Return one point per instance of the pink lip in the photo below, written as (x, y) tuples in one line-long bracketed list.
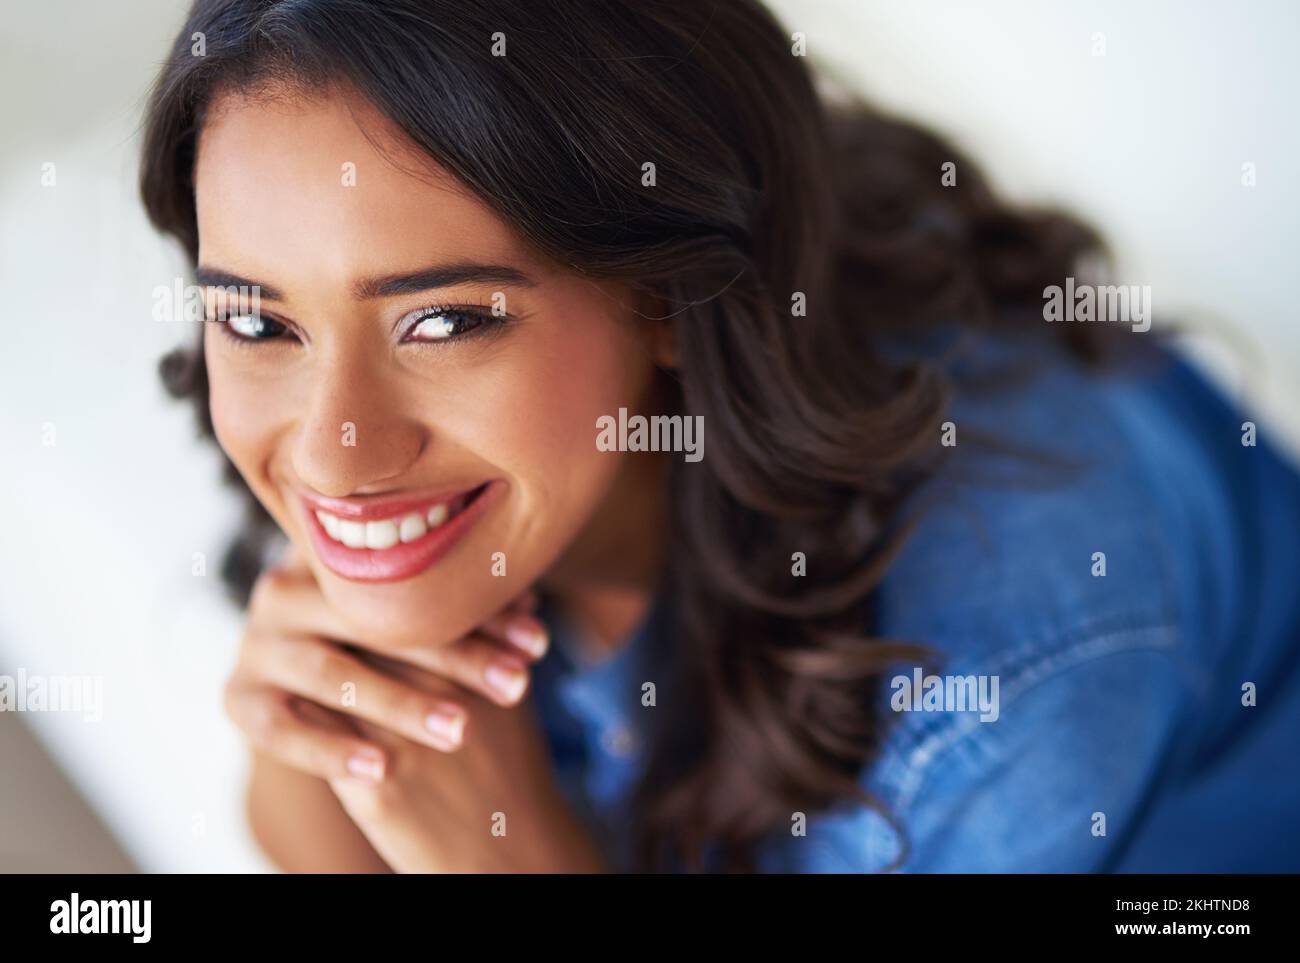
[(405, 559)]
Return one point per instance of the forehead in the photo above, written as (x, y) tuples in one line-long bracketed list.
[(326, 183)]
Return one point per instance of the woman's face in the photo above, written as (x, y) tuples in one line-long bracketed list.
[(441, 448)]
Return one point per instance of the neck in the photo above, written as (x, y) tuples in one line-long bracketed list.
[(605, 581)]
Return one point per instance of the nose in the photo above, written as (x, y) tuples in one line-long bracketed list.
[(354, 438)]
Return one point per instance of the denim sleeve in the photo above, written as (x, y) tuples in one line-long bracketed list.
[(1054, 784), (1057, 781), (1120, 603), (1083, 595)]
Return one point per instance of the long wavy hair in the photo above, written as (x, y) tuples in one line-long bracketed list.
[(768, 197)]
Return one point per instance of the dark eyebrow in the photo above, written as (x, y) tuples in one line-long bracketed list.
[(438, 276), (216, 278)]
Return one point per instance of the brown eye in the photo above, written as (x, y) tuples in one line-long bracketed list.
[(444, 324), (252, 327)]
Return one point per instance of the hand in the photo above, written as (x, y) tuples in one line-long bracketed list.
[(388, 772), (301, 680), (492, 807)]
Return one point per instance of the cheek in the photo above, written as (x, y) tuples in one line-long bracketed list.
[(246, 419), (543, 423)]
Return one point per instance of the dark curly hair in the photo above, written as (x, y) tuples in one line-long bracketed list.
[(765, 191)]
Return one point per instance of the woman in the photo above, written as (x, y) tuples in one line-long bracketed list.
[(584, 347)]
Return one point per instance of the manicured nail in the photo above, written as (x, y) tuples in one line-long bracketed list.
[(526, 635), (366, 766), (506, 680), (446, 724)]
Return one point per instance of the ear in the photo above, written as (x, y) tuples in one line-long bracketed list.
[(662, 339)]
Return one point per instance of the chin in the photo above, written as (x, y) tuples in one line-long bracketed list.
[(434, 610)]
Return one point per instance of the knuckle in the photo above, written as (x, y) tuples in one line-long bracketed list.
[(262, 719)]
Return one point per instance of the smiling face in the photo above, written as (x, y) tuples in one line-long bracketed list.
[(418, 390)]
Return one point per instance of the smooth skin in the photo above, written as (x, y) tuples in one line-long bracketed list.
[(380, 740)]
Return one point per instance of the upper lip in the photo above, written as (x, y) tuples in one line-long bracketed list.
[(376, 507)]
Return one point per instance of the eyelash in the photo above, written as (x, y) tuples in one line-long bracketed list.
[(485, 322)]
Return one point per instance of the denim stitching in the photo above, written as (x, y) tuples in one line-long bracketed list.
[(919, 759)]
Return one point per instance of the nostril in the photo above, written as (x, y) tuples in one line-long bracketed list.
[(341, 457)]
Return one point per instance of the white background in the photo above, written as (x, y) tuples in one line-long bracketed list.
[(99, 530)]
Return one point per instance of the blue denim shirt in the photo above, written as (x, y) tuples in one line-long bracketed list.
[(1121, 741)]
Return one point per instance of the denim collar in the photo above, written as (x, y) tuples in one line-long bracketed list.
[(604, 693)]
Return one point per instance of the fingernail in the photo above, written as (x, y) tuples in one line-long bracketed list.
[(365, 766), (447, 725), (526, 635), (506, 680)]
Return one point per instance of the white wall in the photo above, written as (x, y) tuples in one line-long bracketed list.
[(1147, 142), (100, 528)]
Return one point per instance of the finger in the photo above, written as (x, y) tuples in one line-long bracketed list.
[(318, 670), (317, 715), (268, 718), (476, 662), (521, 630)]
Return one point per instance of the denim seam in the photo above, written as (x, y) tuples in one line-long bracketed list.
[(919, 760), (906, 734)]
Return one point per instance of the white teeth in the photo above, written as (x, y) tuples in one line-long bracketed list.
[(387, 532), (352, 534), (413, 527), (330, 524), (381, 534)]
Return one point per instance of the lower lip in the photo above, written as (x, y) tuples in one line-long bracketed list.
[(405, 559)]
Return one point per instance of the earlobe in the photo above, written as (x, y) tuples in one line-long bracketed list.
[(663, 341), (664, 344)]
